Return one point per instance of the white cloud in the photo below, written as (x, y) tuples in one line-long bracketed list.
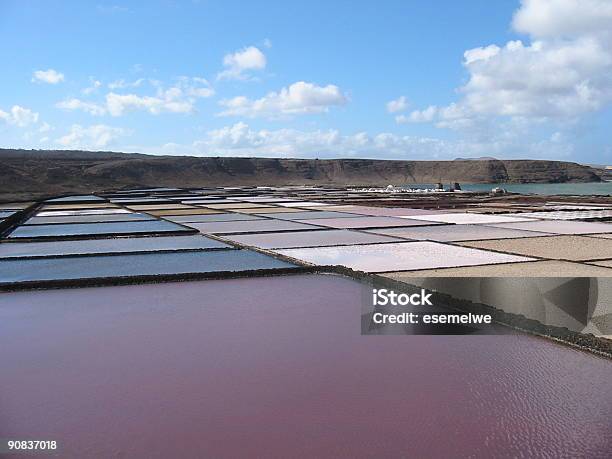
[(476, 54), (179, 98), (419, 116), (398, 105), (550, 79), (47, 76), (45, 127), (77, 104), (562, 73), (122, 84), (238, 64), (95, 85), (197, 87), (111, 9), (169, 101), (19, 116), (297, 99), (95, 136), (563, 18), (240, 140), (119, 104)]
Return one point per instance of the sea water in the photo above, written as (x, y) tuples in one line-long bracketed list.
[(594, 188)]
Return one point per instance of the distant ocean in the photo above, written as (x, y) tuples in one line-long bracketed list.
[(603, 188)]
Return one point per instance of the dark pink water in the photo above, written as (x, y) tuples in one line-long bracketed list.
[(276, 367)]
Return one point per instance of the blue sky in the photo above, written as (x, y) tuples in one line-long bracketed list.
[(390, 80)]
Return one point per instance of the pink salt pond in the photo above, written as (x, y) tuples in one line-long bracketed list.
[(276, 367)]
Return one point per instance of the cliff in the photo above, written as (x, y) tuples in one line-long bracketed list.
[(34, 172)]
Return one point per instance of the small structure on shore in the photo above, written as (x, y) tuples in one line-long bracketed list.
[(498, 191)]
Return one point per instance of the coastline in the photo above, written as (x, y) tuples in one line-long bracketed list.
[(51, 172)]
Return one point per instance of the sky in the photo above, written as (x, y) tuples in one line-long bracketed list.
[(437, 79)]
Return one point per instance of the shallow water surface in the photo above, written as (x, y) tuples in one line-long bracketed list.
[(277, 367), (596, 188)]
